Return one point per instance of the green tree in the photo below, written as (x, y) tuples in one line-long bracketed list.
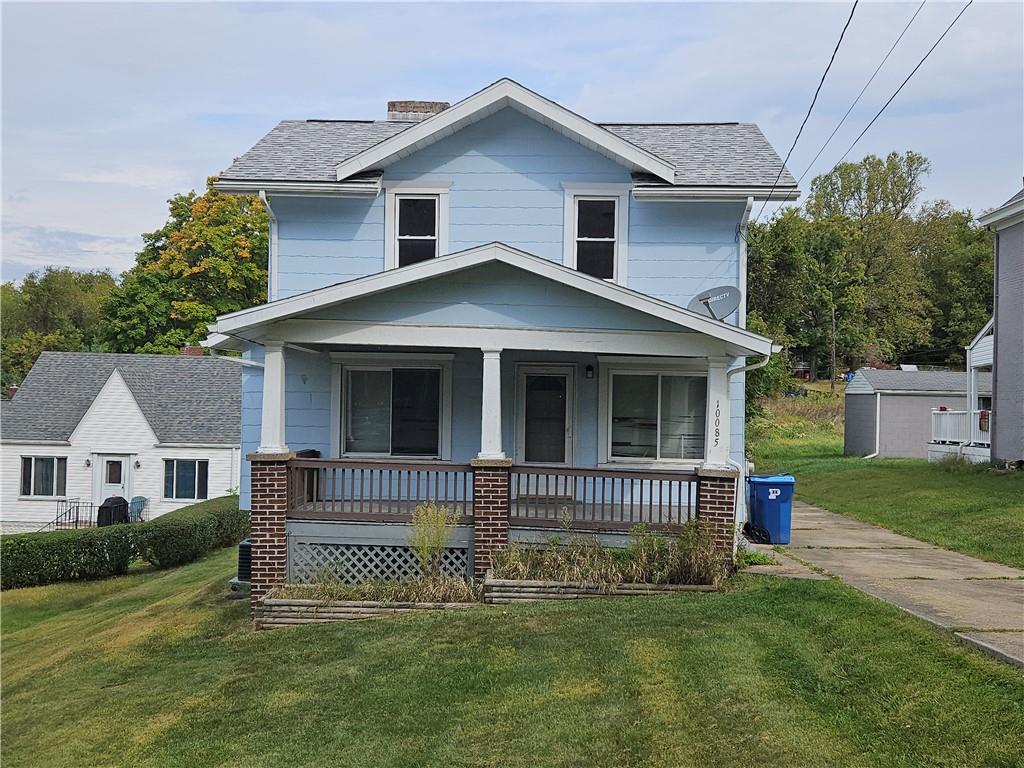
[(56, 309), (869, 187), (210, 258)]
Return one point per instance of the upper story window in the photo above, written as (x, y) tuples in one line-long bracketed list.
[(416, 227), (44, 475), (595, 236), (415, 223), (596, 228)]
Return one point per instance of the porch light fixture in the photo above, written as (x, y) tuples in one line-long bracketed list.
[(588, 372), (88, 462), (138, 464)]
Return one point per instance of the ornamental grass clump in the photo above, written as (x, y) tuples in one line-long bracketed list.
[(432, 528)]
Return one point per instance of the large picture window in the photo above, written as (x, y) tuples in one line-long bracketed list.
[(186, 478), (416, 228), (657, 416), (44, 475), (392, 411)]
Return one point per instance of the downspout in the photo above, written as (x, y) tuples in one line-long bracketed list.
[(741, 469), (272, 266), (878, 426)]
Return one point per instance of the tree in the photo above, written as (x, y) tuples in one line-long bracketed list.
[(56, 309), (210, 258), (869, 187)]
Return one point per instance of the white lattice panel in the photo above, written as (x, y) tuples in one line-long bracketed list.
[(352, 563)]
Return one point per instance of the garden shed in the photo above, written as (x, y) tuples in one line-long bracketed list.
[(889, 413)]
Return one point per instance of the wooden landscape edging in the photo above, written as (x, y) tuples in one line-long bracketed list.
[(499, 591), (274, 612)]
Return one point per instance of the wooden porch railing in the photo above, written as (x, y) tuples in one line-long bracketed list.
[(339, 489), (961, 427), (601, 498)]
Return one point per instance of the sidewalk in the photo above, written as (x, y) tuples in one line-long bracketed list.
[(982, 603)]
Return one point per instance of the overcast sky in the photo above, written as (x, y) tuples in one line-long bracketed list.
[(109, 109)]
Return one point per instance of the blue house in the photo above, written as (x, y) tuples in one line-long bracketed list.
[(497, 305)]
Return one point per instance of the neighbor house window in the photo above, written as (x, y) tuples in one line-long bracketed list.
[(186, 478), (596, 232), (416, 228), (44, 475), (657, 416), (392, 411)]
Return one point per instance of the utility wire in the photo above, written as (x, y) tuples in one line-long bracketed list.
[(862, 90), (809, 109), (907, 80)]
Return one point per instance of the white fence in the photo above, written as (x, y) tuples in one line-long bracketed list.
[(962, 427)]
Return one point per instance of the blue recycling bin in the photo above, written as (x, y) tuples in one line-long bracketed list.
[(771, 505)]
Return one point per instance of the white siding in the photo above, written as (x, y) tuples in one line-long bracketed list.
[(114, 424)]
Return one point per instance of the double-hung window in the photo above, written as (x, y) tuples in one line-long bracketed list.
[(596, 228), (44, 475), (186, 478), (392, 411), (657, 416), (416, 228), (596, 235)]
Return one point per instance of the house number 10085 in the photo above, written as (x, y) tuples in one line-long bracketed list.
[(718, 421)]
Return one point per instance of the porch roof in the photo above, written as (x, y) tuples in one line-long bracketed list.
[(290, 316)]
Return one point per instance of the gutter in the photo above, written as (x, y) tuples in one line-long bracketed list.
[(370, 188), (712, 194)]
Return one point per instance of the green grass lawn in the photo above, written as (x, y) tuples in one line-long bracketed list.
[(156, 669), (973, 511)]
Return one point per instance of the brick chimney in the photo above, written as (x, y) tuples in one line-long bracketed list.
[(415, 111), (192, 351)]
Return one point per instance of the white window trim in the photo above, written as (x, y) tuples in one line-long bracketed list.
[(604, 432), (618, 192), (184, 498), (375, 361), (394, 190), (32, 479), (568, 371)]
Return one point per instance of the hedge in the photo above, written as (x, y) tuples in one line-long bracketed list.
[(188, 533), (179, 537)]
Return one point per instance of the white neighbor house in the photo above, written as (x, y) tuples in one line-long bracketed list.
[(86, 426)]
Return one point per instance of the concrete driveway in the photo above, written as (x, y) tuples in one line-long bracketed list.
[(982, 603)]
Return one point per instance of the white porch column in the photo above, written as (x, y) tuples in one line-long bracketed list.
[(490, 411), (716, 445), (272, 426), (972, 384)]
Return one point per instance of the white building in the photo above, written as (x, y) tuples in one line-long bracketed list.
[(87, 426)]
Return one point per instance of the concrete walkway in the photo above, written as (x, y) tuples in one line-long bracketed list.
[(982, 603)]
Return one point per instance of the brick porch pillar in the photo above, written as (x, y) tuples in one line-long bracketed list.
[(490, 510), (268, 515), (716, 506)]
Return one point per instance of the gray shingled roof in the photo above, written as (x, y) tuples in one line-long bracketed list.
[(185, 399), (1014, 199), (924, 381), (704, 154)]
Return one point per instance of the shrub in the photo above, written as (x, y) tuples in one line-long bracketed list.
[(690, 557), (34, 559), (188, 533), (431, 529)]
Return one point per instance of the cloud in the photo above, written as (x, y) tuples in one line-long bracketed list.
[(30, 247), (138, 177)]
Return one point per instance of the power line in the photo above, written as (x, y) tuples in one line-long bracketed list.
[(907, 80), (862, 90), (809, 109)]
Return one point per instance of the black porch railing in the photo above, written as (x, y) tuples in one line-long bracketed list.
[(74, 513)]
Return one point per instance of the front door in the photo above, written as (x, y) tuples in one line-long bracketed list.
[(544, 428), (113, 479)]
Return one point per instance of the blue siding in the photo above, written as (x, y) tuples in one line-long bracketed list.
[(495, 295)]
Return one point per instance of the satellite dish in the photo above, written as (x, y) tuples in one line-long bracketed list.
[(718, 302)]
